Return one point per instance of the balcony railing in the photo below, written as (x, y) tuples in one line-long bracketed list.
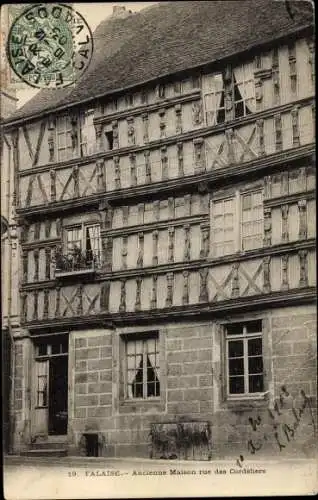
[(76, 262)]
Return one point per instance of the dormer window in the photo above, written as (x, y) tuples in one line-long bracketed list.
[(241, 91), (162, 91), (129, 98)]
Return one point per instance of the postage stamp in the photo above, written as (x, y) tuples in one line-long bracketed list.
[(49, 45)]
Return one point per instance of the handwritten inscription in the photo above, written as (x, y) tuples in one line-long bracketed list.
[(283, 422)]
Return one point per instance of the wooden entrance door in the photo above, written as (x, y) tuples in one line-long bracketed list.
[(50, 388)]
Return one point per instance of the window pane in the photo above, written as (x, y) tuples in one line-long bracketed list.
[(41, 368), (142, 381), (234, 328), (218, 208), (237, 385), (236, 366), (246, 201), (228, 220), (56, 348), (139, 346), (256, 383), (130, 347), (65, 346), (228, 248), (61, 141), (151, 389), (239, 109), (42, 349), (254, 347), (41, 399), (151, 345), (255, 365), (228, 206), (137, 390), (235, 348), (41, 383), (254, 326)]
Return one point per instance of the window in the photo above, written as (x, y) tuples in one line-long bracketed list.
[(75, 138), (244, 358), (142, 368), (252, 220), (53, 347), (129, 100), (64, 138), (213, 96), (242, 94), (83, 242), (244, 90), (223, 227), (109, 139), (237, 223), (87, 138), (42, 377), (162, 91)]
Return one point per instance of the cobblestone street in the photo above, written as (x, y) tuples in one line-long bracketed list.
[(70, 477)]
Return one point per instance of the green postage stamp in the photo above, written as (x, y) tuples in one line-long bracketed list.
[(49, 45)]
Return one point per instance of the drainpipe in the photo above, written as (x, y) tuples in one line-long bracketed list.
[(9, 304)]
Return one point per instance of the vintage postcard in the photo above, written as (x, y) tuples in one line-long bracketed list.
[(158, 249)]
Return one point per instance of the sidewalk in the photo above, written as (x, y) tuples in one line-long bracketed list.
[(116, 461)]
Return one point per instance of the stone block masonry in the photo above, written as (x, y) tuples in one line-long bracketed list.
[(294, 334), (192, 374), (92, 384), (189, 358)]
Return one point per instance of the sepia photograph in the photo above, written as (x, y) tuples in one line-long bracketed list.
[(158, 249)]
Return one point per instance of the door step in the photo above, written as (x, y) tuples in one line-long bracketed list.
[(45, 452)]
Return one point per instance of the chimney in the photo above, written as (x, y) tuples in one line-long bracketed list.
[(119, 11)]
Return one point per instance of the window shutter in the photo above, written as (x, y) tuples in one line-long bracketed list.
[(223, 227), (252, 220), (213, 91)]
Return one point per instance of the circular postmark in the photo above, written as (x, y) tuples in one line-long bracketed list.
[(49, 46)]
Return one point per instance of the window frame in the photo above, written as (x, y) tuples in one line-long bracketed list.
[(244, 337), (81, 149), (42, 361), (234, 87), (66, 130), (83, 227), (206, 93), (243, 100), (237, 199), (144, 338)]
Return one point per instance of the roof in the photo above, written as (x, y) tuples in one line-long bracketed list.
[(171, 37)]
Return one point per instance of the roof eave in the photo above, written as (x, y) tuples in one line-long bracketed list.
[(8, 124)]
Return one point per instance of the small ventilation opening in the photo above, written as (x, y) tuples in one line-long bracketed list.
[(91, 445)]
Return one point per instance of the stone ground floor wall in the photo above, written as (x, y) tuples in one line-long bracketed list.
[(192, 388)]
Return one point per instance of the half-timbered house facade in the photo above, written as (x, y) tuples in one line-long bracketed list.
[(166, 212)]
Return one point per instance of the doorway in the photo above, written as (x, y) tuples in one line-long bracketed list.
[(58, 395), (50, 416)]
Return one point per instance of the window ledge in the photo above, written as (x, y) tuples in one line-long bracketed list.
[(256, 397), (246, 402), (140, 401)]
